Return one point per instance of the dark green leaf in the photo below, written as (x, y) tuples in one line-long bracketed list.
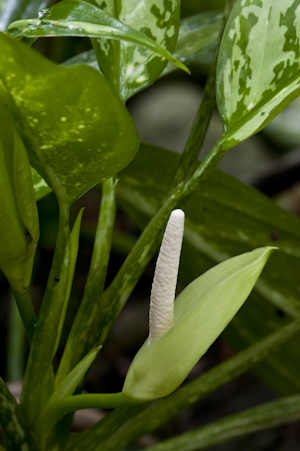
[(17, 434), (76, 130), (224, 219), (258, 67), (258, 418)]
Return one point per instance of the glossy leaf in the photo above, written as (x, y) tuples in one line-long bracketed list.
[(130, 68), (78, 18), (11, 10), (76, 130), (258, 67), (223, 219), (201, 313)]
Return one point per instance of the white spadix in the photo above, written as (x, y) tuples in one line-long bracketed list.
[(165, 278)]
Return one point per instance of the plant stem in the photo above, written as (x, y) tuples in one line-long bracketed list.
[(201, 122), (156, 415), (81, 338), (39, 376), (15, 347), (259, 418), (204, 114), (68, 405), (209, 163), (26, 311)]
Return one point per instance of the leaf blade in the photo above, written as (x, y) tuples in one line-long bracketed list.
[(256, 82)]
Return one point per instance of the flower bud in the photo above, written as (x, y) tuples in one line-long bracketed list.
[(19, 225)]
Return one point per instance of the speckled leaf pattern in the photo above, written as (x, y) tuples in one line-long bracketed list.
[(258, 68), (223, 219), (76, 130), (128, 67)]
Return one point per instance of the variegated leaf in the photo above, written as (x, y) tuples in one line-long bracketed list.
[(258, 68), (129, 67), (197, 39)]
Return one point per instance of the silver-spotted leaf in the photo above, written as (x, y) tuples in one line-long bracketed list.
[(128, 67), (258, 71)]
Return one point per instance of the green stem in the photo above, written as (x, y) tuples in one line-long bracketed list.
[(82, 336), (26, 311), (209, 163), (39, 376), (204, 114), (59, 409), (156, 415), (15, 347), (202, 120), (259, 418)]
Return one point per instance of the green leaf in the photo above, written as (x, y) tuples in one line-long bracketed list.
[(76, 130), (259, 418), (71, 381), (78, 18), (128, 67), (18, 9), (258, 67), (197, 39), (19, 225), (223, 219), (201, 313), (64, 389)]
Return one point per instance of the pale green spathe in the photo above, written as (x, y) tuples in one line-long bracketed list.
[(202, 311)]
